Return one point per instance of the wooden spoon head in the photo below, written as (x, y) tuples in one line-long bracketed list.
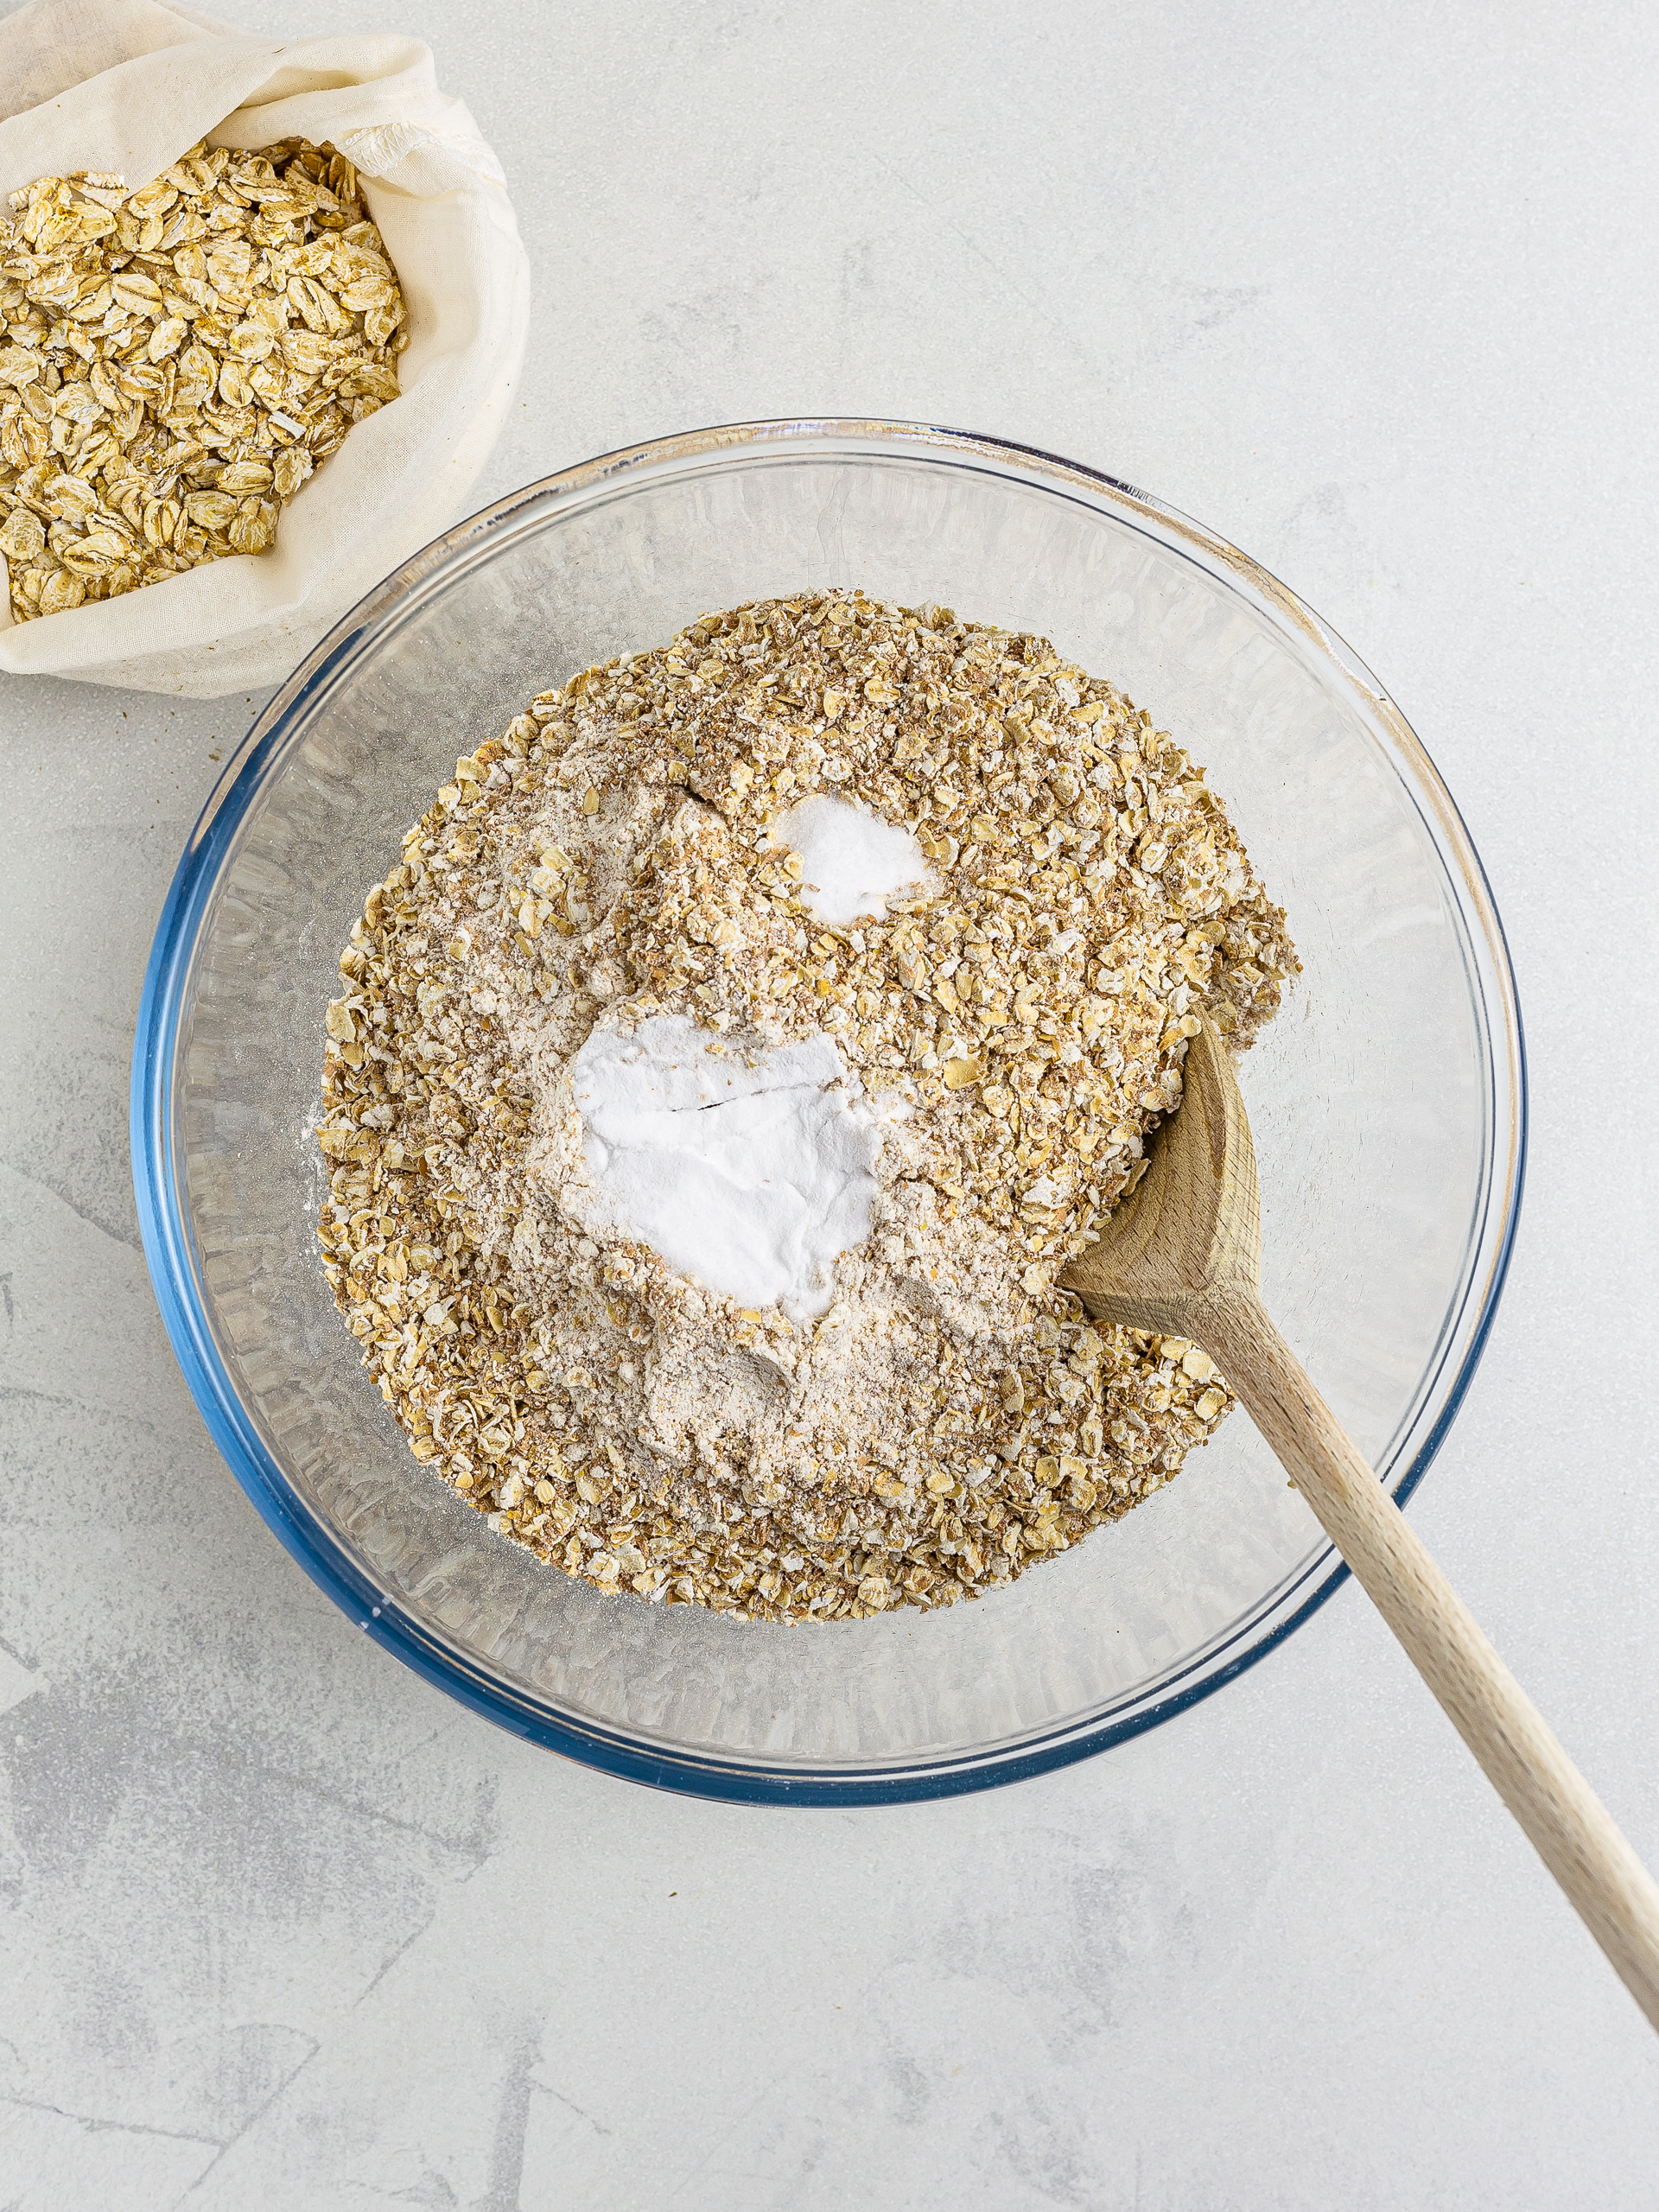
[(1192, 1224)]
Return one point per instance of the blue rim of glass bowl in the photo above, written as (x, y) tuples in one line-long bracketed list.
[(330, 1563)]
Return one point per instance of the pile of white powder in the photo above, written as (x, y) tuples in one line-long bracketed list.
[(751, 1176)]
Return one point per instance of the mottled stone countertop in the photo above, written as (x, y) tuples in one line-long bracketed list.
[(1371, 289)]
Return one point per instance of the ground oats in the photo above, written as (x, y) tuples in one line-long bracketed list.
[(177, 360), (953, 1416)]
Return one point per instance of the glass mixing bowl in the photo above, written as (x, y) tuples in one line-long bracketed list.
[(1387, 1100)]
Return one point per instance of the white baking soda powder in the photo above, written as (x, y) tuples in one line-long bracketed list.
[(751, 1178)]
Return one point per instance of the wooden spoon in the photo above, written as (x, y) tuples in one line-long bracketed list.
[(1182, 1255)]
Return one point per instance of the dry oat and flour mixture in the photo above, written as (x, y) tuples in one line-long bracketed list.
[(742, 1046)]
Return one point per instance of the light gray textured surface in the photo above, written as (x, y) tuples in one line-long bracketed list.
[(1370, 290)]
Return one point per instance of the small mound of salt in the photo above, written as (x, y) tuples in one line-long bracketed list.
[(853, 862)]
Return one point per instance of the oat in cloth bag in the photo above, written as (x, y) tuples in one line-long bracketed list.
[(125, 87)]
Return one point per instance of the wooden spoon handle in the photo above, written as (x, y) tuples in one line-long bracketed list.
[(1568, 1826)]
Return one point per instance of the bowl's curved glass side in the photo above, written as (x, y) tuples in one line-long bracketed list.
[(1381, 1059)]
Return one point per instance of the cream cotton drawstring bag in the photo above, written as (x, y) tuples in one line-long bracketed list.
[(125, 87)]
